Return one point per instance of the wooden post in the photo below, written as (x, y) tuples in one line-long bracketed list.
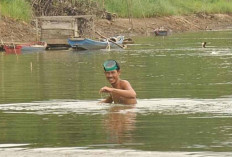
[(37, 29), (103, 4), (0, 23), (3, 76), (129, 4), (76, 34)]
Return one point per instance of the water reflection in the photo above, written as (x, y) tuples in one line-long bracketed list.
[(152, 124), (120, 123), (184, 96)]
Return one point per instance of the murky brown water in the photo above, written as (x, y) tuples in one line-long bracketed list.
[(50, 99)]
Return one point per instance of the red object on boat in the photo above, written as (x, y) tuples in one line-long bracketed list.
[(12, 49)]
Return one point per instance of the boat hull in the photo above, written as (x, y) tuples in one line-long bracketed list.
[(9, 49), (25, 48), (161, 33), (88, 44), (34, 47)]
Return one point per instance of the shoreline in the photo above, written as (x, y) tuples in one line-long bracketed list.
[(17, 31), (175, 24)]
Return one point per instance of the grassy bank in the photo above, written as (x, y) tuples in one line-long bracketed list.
[(151, 8), (21, 9), (18, 9)]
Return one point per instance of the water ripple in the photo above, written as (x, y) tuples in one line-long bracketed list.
[(217, 107)]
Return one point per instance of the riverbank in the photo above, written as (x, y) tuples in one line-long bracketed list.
[(17, 31), (175, 24)]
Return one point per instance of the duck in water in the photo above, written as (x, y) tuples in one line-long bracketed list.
[(203, 44)]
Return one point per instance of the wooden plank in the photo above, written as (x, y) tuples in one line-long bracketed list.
[(55, 36), (55, 41), (58, 33), (57, 29), (57, 25), (64, 18)]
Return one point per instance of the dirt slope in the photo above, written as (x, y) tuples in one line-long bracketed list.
[(13, 30), (172, 23), (20, 31)]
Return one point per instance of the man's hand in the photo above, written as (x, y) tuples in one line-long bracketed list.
[(105, 90)]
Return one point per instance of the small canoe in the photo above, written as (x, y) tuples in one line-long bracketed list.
[(89, 44), (12, 49), (161, 32), (128, 41)]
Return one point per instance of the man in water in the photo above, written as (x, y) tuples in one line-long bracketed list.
[(121, 92)]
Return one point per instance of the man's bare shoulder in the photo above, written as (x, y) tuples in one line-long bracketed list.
[(125, 84)]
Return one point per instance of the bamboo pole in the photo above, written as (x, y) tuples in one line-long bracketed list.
[(144, 18), (110, 40), (129, 5), (103, 4), (2, 45), (37, 29), (14, 48), (0, 24), (3, 76)]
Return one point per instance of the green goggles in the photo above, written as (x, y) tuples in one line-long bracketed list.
[(110, 65)]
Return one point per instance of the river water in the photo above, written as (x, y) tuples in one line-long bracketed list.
[(50, 99)]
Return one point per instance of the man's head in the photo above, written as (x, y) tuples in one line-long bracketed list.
[(111, 65), (112, 71)]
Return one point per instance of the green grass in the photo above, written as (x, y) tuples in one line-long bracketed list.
[(21, 9), (151, 8), (17, 9)]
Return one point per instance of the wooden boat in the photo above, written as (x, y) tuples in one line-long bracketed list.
[(23, 48), (128, 41), (89, 44), (161, 32), (34, 46), (12, 49)]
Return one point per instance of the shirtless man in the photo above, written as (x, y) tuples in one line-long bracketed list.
[(121, 91)]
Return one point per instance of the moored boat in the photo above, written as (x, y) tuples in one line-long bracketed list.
[(34, 46), (89, 44), (20, 48), (161, 32), (12, 49), (128, 41)]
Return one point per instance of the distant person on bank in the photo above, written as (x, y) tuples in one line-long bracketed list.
[(120, 92)]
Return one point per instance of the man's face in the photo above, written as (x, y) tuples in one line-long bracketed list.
[(112, 76)]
